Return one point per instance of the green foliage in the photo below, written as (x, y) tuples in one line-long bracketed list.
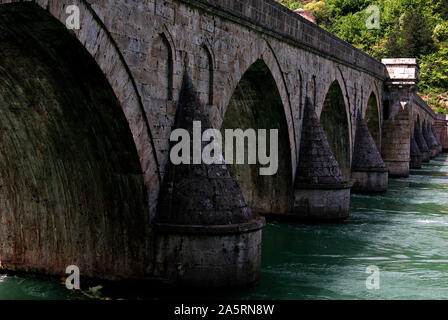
[(416, 34), (320, 10), (344, 7), (291, 4), (408, 28), (443, 9), (433, 70)]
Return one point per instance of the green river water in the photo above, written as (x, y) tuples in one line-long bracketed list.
[(403, 232)]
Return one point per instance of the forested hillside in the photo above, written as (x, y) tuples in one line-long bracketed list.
[(407, 28)]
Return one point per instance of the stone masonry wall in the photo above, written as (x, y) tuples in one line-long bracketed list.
[(144, 47), (306, 64), (71, 185), (442, 129)]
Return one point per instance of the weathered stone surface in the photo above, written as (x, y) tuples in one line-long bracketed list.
[(317, 164), (256, 104), (441, 127), (365, 155), (227, 260), (198, 199), (421, 143), (396, 147), (436, 139), (396, 133), (430, 141), (334, 121), (71, 186), (404, 112), (142, 48), (199, 194), (369, 173), (416, 155), (320, 190)]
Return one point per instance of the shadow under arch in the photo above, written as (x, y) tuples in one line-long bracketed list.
[(372, 119), (72, 186), (256, 104), (336, 126)]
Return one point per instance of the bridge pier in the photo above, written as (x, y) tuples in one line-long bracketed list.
[(396, 147), (83, 156), (430, 140), (206, 235), (369, 173), (320, 192), (416, 155), (399, 96), (421, 143), (439, 144)]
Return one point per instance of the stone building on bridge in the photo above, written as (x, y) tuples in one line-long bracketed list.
[(86, 117)]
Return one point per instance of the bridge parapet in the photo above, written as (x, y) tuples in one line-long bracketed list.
[(280, 22), (424, 106)]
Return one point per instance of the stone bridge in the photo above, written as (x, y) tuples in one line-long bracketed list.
[(86, 117)]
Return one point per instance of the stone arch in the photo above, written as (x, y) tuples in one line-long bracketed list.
[(265, 53), (321, 95), (256, 104), (206, 68), (73, 189), (336, 125), (162, 67), (373, 120), (96, 39)]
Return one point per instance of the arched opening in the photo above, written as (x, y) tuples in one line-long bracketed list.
[(256, 104), (162, 68), (205, 83), (335, 123), (373, 120), (71, 184)]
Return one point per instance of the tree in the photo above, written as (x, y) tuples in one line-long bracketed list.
[(443, 8), (291, 4), (416, 34), (320, 10), (409, 29), (393, 46), (344, 7)]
